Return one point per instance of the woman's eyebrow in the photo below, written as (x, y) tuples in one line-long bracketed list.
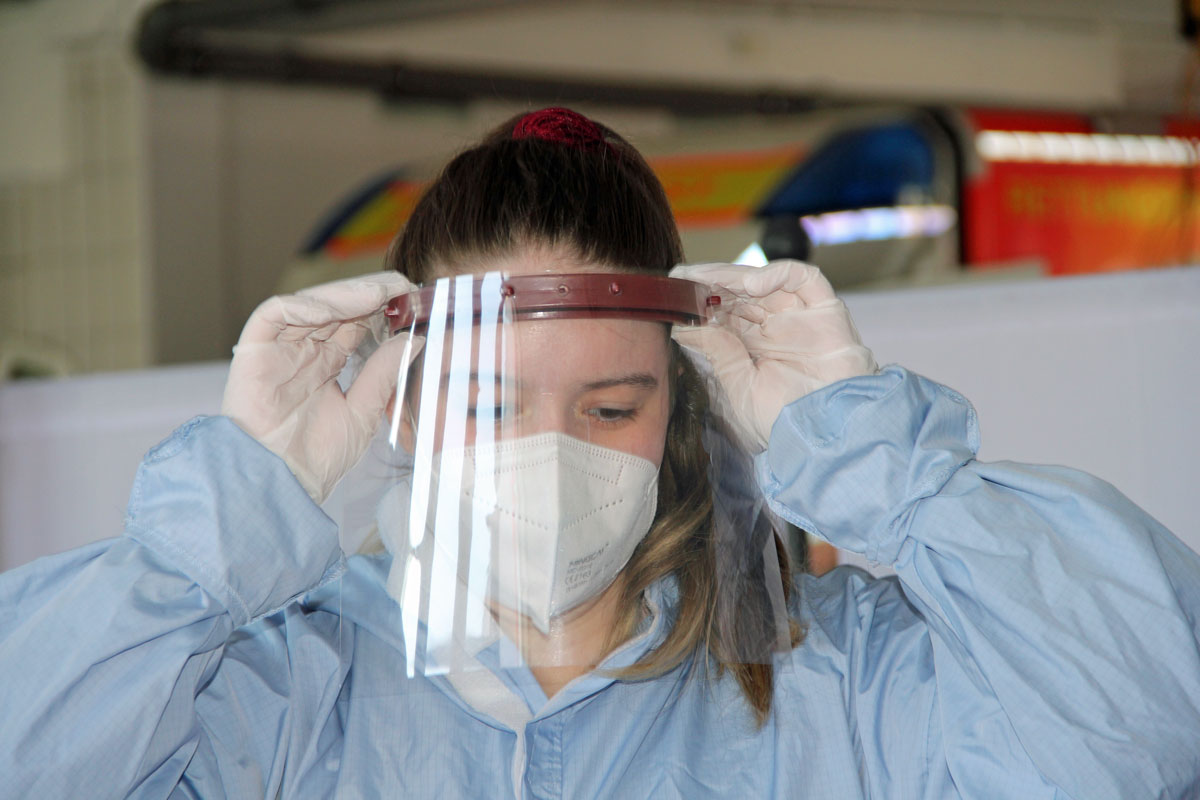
[(638, 380), (474, 377)]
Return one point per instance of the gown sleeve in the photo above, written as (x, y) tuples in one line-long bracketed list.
[(104, 649), (1056, 651)]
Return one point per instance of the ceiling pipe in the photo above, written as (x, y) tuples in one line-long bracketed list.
[(175, 38)]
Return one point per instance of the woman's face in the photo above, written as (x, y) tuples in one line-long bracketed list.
[(604, 381)]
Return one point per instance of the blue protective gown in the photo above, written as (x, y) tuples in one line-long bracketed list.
[(1040, 641)]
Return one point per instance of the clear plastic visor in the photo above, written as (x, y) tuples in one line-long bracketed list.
[(519, 469)]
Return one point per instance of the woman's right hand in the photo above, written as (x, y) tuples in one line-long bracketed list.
[(781, 334), (282, 387)]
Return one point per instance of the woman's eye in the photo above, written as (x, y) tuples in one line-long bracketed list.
[(611, 414), (492, 412)]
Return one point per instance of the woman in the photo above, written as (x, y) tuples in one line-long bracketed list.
[(1040, 639)]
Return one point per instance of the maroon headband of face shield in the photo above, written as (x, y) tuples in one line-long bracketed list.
[(653, 298)]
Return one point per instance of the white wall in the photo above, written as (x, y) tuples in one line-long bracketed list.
[(73, 270), (1096, 372)]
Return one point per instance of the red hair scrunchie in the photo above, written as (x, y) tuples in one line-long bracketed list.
[(560, 125)]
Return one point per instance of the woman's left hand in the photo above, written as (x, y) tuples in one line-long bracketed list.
[(780, 334)]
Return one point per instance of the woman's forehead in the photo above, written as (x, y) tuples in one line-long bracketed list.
[(564, 352), (590, 338)]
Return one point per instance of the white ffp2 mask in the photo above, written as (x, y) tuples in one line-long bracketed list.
[(564, 516)]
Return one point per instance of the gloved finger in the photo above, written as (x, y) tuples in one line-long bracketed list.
[(319, 310), (290, 318), (747, 315), (788, 281), (385, 284), (803, 332), (349, 335), (803, 281), (358, 300), (268, 364), (344, 303), (359, 296), (368, 396)]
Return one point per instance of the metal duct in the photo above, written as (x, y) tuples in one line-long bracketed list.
[(246, 40)]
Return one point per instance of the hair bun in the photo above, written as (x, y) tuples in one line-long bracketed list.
[(560, 125)]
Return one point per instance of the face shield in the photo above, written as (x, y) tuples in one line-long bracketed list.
[(519, 470)]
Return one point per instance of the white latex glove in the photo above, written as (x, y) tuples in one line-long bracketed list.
[(283, 388), (780, 333)]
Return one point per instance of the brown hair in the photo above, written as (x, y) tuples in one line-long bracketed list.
[(581, 189)]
